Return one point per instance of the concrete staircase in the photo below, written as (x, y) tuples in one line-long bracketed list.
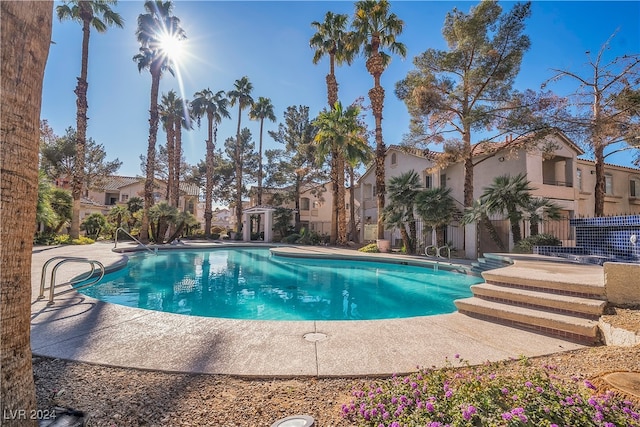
[(554, 299)]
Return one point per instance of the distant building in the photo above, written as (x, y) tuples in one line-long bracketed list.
[(555, 172)]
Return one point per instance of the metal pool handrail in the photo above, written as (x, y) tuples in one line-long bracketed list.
[(153, 251), (62, 260)]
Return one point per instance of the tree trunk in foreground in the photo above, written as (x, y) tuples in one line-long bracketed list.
[(25, 40)]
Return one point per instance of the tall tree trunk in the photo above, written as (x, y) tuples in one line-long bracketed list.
[(376, 95), (176, 164), (342, 213), (81, 121), (333, 235), (260, 170), (151, 153), (208, 189), (352, 203), (171, 138), (25, 40), (238, 164), (332, 98), (599, 190), (468, 171)]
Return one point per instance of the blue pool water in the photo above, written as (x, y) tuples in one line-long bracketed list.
[(246, 283)]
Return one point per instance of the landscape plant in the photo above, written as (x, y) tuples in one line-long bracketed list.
[(525, 246), (475, 396)]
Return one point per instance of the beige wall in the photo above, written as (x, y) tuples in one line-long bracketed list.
[(620, 202)]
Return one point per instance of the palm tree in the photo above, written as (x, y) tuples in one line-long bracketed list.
[(403, 190), (168, 113), (376, 28), (262, 109), (161, 216), (24, 46), (436, 207), (353, 159), (175, 115), (99, 15), (478, 213), (214, 106), (340, 131), (183, 121), (332, 39), (240, 96), (154, 27), (538, 209), (509, 194)]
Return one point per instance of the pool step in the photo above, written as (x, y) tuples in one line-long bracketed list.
[(570, 327), (489, 262), (578, 306), (565, 300)]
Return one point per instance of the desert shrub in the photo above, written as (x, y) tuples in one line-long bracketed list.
[(370, 248), (476, 396), (525, 246)]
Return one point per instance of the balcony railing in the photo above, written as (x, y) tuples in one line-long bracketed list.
[(557, 183)]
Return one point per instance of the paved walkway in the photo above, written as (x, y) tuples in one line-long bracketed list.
[(81, 328)]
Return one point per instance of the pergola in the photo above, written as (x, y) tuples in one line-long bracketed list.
[(268, 222)]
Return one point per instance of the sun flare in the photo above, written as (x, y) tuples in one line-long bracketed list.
[(171, 46)]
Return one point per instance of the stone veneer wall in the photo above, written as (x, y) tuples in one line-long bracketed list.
[(602, 239), (622, 284)]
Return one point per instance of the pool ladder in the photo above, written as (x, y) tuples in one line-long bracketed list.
[(153, 251), (95, 265), (434, 251)]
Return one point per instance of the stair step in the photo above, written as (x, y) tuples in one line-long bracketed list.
[(579, 281), (584, 306), (554, 323)]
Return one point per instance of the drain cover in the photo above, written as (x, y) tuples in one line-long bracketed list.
[(315, 336)]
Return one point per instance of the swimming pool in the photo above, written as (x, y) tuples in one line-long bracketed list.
[(251, 283)]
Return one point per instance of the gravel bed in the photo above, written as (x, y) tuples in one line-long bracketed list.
[(129, 397)]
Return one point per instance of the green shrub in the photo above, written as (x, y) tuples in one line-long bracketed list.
[(45, 238), (370, 248), (525, 246), (476, 396), (65, 239), (215, 236), (291, 238)]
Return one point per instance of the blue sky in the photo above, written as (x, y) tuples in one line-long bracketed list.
[(269, 43)]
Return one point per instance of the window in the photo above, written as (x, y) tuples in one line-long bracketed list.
[(394, 159), (304, 204), (608, 184), (443, 180), (316, 204), (368, 191), (634, 187), (579, 179), (124, 197), (428, 183)]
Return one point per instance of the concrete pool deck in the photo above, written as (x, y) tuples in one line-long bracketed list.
[(84, 329)]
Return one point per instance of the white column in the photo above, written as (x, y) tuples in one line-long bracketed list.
[(471, 241), (268, 226), (246, 230)]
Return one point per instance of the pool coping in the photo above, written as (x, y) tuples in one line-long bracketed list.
[(78, 327)]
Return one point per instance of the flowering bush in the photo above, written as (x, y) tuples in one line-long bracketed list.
[(474, 396)]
